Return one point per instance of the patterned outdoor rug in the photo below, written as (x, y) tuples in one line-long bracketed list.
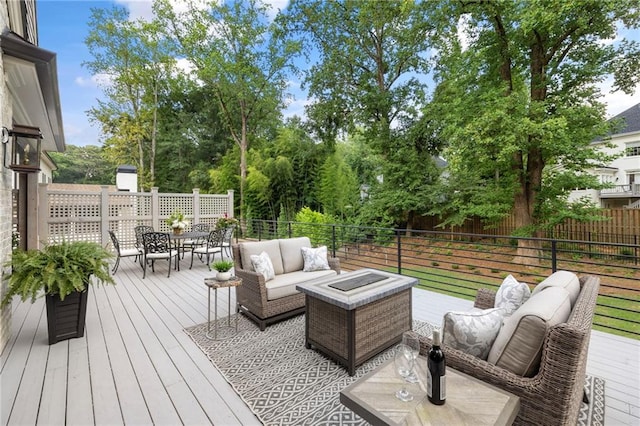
[(285, 384)]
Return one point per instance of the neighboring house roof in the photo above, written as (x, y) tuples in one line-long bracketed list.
[(80, 187), (630, 119)]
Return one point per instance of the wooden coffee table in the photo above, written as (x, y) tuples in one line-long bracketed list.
[(353, 325), (469, 401)]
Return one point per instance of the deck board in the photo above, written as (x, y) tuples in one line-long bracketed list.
[(78, 385), (137, 365), (54, 390)]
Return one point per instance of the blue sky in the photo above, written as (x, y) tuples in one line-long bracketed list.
[(62, 27)]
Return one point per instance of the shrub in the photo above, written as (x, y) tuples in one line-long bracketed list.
[(315, 225)]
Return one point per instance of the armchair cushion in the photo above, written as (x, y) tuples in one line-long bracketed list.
[(511, 295), (472, 332), (518, 347), (290, 248), (565, 279), (262, 265), (315, 259), (285, 284), (271, 247)]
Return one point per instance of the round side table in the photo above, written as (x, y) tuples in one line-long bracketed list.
[(214, 284)]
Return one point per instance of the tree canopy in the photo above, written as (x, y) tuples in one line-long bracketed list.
[(514, 105)]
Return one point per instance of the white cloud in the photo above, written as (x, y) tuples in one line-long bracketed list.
[(138, 9), (619, 101), (185, 66), (464, 31), (143, 9), (275, 6), (97, 80)]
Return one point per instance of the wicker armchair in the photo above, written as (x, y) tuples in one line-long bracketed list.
[(554, 394), (251, 296)]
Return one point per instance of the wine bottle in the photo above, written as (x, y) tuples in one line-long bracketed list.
[(436, 371)]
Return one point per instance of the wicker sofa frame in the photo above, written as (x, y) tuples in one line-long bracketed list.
[(553, 396), (251, 296)]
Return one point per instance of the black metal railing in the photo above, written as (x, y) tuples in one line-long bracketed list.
[(458, 264)]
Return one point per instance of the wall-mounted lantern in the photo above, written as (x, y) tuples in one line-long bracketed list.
[(25, 148)]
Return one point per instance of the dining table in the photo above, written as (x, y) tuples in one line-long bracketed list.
[(188, 235)]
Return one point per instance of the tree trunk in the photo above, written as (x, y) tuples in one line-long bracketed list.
[(152, 157), (243, 163)]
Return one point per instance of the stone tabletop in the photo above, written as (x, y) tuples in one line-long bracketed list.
[(352, 299), (214, 283), (469, 401)]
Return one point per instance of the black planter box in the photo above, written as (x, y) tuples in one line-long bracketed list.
[(66, 317)]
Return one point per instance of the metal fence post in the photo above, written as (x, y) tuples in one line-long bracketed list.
[(399, 244), (333, 240), (554, 256)]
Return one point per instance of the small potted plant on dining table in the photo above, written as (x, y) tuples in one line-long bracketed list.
[(177, 222), (223, 267)]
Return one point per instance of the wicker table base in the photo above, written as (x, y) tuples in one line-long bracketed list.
[(353, 326)]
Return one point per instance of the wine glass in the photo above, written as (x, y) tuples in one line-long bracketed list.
[(410, 339), (404, 365)]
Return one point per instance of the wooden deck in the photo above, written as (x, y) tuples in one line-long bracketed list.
[(135, 364)]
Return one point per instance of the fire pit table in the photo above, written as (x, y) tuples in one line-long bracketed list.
[(354, 316)]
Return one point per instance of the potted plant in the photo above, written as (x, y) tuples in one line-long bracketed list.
[(226, 222), (223, 267), (177, 222), (62, 272)]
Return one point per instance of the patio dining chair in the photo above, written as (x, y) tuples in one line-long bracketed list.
[(131, 252), (190, 244), (213, 245), (227, 238), (157, 246), (140, 230)]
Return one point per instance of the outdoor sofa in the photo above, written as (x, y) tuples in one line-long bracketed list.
[(268, 301), (554, 389)]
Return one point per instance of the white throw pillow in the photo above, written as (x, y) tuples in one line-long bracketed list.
[(262, 265), (472, 332), (511, 295), (315, 259)]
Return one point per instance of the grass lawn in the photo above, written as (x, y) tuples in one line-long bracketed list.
[(610, 316)]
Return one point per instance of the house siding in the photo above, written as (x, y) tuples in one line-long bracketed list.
[(6, 181)]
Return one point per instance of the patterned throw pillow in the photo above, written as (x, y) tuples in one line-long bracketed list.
[(511, 295), (262, 265), (315, 259), (472, 332)]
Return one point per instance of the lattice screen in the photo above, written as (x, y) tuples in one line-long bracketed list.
[(75, 215), (214, 205)]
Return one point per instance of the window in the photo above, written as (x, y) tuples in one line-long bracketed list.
[(633, 150)]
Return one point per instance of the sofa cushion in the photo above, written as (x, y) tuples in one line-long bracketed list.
[(285, 285), (565, 279), (511, 295), (472, 332), (518, 346), (291, 253), (271, 247), (262, 264), (315, 259)]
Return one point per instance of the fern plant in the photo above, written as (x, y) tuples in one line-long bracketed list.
[(57, 269)]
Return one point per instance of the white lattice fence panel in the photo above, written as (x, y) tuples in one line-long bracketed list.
[(170, 203), (124, 230), (74, 216), (126, 211), (214, 206)]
